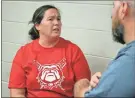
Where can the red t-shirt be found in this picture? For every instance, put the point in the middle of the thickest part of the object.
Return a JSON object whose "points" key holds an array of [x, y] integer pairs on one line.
{"points": [[48, 72]]}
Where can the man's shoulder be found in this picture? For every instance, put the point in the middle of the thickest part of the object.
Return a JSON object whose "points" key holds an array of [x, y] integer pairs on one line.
{"points": [[124, 58], [126, 52], [131, 51]]}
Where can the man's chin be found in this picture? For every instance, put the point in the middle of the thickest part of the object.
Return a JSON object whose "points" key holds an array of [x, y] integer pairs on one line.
{"points": [[118, 40], [118, 34]]}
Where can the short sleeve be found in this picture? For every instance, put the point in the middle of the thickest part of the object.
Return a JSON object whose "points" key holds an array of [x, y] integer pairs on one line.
{"points": [[80, 65], [17, 77]]}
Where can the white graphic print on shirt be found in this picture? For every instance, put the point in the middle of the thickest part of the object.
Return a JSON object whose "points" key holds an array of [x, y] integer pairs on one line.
{"points": [[50, 75]]}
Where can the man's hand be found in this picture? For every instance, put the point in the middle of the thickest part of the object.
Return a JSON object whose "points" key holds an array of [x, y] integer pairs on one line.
{"points": [[81, 87], [95, 79]]}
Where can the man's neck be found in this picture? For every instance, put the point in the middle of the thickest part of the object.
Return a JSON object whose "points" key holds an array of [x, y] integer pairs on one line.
{"points": [[129, 32]]}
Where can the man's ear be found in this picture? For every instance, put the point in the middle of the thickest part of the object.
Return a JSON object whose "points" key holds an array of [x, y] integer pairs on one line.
{"points": [[123, 11]]}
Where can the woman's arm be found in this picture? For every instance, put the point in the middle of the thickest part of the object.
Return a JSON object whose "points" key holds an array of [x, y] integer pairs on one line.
{"points": [[83, 85], [17, 92], [80, 87], [17, 77]]}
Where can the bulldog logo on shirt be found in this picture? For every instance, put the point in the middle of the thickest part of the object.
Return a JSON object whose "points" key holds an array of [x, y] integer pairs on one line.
{"points": [[50, 75]]}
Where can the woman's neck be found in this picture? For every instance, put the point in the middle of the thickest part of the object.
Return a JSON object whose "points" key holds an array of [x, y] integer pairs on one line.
{"points": [[47, 42]]}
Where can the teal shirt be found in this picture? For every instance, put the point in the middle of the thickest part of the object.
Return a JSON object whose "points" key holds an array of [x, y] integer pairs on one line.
{"points": [[119, 78]]}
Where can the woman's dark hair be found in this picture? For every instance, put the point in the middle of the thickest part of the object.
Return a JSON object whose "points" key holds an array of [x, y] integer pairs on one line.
{"points": [[37, 18]]}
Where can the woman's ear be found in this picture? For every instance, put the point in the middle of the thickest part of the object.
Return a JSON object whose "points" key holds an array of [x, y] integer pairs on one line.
{"points": [[37, 26]]}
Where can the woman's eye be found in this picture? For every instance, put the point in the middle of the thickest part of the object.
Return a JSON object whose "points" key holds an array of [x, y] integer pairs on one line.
{"points": [[58, 19], [50, 19]]}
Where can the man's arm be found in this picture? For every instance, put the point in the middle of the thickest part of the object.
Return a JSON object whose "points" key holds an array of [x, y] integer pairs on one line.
{"points": [[115, 80], [95, 79]]}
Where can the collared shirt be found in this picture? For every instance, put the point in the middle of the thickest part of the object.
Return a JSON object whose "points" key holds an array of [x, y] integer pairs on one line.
{"points": [[119, 78]]}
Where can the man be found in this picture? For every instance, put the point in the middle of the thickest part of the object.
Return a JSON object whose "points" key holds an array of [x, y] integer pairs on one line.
{"points": [[119, 78]]}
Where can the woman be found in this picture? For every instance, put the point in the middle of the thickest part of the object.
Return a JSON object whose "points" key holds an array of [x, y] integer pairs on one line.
{"points": [[49, 66]]}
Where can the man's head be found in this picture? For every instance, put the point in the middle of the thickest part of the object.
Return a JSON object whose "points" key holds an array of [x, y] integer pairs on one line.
{"points": [[122, 13]]}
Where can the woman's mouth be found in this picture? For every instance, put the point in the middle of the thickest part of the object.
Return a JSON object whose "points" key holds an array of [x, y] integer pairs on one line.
{"points": [[56, 29]]}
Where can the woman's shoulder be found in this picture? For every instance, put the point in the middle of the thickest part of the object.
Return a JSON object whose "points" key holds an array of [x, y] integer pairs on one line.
{"points": [[69, 43], [27, 46]]}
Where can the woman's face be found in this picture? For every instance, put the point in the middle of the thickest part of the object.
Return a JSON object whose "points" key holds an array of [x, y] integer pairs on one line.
{"points": [[50, 25]]}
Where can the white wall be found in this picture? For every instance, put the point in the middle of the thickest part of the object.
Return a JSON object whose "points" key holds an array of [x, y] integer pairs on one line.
{"points": [[86, 23]]}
